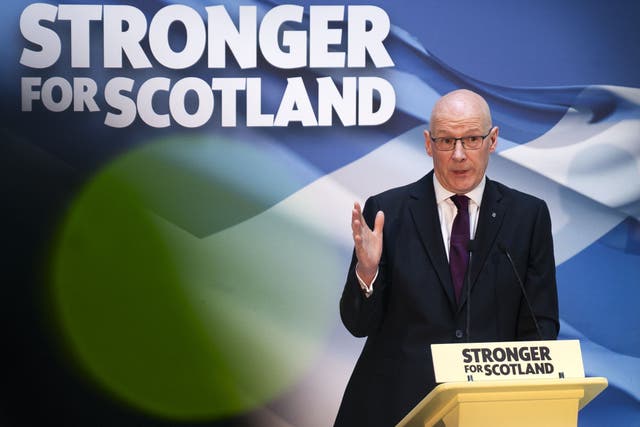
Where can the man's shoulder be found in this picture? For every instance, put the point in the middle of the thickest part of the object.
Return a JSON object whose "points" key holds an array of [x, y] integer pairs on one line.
{"points": [[415, 188], [515, 196]]}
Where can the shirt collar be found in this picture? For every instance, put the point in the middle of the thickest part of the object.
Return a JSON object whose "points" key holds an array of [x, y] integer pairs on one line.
{"points": [[443, 194]]}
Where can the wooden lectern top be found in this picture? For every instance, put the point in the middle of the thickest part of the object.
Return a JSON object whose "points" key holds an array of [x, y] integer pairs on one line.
{"points": [[552, 402]]}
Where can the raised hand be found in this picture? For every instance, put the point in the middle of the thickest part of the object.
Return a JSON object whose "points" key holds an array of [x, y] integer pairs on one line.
{"points": [[367, 242]]}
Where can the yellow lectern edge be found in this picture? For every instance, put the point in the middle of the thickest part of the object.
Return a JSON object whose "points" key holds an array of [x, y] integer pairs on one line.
{"points": [[440, 398]]}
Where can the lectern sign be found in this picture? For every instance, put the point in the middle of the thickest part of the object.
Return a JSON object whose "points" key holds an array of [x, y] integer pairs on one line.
{"points": [[507, 360]]}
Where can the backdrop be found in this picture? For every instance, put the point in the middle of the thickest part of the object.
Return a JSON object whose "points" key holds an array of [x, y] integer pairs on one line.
{"points": [[174, 252]]}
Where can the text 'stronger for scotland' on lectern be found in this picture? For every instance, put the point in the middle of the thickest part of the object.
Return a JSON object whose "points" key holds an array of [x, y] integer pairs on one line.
{"points": [[506, 384]]}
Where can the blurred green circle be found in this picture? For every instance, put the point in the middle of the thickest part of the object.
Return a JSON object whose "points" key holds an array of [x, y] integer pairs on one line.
{"points": [[182, 291]]}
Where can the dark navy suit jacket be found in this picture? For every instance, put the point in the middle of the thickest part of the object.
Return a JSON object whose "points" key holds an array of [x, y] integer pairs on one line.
{"points": [[413, 303]]}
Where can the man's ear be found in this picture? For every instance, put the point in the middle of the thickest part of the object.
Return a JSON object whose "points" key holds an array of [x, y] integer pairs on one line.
{"points": [[427, 143], [494, 139]]}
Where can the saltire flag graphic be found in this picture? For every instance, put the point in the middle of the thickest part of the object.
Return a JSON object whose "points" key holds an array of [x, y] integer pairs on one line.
{"points": [[193, 275]]}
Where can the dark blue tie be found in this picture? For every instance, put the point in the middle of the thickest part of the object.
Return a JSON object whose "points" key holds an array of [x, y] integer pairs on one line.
{"points": [[458, 253]]}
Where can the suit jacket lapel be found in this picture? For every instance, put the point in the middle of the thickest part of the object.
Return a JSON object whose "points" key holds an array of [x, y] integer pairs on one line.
{"points": [[424, 212], [492, 212]]}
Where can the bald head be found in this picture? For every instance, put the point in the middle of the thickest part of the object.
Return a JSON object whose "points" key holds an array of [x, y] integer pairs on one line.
{"points": [[458, 106]]}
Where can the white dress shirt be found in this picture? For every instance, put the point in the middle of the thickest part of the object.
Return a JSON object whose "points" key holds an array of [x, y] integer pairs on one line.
{"points": [[447, 210]]}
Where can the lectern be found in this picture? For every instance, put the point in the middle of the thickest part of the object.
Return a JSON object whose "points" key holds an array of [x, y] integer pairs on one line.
{"points": [[511, 403], [508, 384]]}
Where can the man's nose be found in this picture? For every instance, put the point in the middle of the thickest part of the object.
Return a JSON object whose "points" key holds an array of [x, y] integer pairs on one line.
{"points": [[458, 151]]}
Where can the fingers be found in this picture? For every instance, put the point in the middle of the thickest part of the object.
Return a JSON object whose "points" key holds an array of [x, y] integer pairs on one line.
{"points": [[367, 242], [358, 223], [356, 212], [379, 223], [357, 220]]}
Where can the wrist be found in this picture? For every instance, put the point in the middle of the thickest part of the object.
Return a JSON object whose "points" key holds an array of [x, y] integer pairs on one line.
{"points": [[367, 275]]}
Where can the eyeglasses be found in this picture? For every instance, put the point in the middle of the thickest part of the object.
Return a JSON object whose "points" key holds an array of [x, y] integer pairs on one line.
{"points": [[448, 143]]}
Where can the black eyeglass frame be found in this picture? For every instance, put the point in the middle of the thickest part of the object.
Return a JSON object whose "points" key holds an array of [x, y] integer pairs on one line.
{"points": [[452, 146]]}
